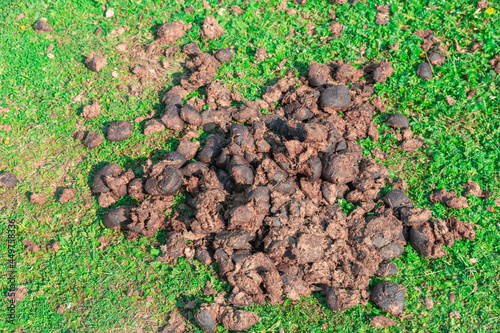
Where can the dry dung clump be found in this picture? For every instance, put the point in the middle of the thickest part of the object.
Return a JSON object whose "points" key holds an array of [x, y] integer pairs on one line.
{"points": [[8, 180], [211, 29], [262, 195], [95, 63]]}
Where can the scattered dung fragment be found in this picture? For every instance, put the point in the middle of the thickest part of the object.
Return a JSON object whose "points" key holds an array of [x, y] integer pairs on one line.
{"points": [[449, 199], [335, 98], [117, 217], [190, 115], [342, 299], [38, 199], [261, 53], [411, 145], [175, 324], [397, 200], [381, 322], [55, 246], [319, 74], [91, 111], [415, 216], [67, 195], [205, 321], [95, 63], [450, 100], [224, 55], [8, 180], [475, 190], [390, 297], [382, 18], [119, 131], [188, 148], [171, 119], [42, 26], [495, 63], [382, 72], [191, 49], [336, 29], [386, 269], [170, 32], [171, 51], [122, 47], [211, 29], [31, 246], [436, 59], [153, 126], [93, 140], [109, 13], [424, 71], [482, 4], [397, 120], [110, 182], [428, 303], [238, 320]]}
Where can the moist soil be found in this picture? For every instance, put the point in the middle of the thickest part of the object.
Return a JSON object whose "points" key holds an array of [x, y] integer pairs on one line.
{"points": [[262, 194]]}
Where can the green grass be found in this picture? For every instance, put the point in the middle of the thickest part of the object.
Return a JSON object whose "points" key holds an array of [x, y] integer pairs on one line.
{"points": [[462, 142]]}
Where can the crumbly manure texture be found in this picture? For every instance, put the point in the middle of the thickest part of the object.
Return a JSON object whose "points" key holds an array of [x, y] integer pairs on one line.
{"points": [[262, 193]]}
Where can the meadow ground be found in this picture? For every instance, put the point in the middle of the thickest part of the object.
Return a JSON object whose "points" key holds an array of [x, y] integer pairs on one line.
{"points": [[121, 288]]}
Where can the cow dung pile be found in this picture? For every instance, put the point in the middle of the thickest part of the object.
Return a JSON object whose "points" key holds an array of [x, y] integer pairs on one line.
{"points": [[261, 197]]}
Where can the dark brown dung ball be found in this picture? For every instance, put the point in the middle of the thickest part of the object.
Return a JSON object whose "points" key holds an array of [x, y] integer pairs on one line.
{"points": [[205, 321], [117, 217], [335, 97], [224, 55], [397, 120], [424, 71], [119, 131], [390, 297], [397, 199], [8, 180]]}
